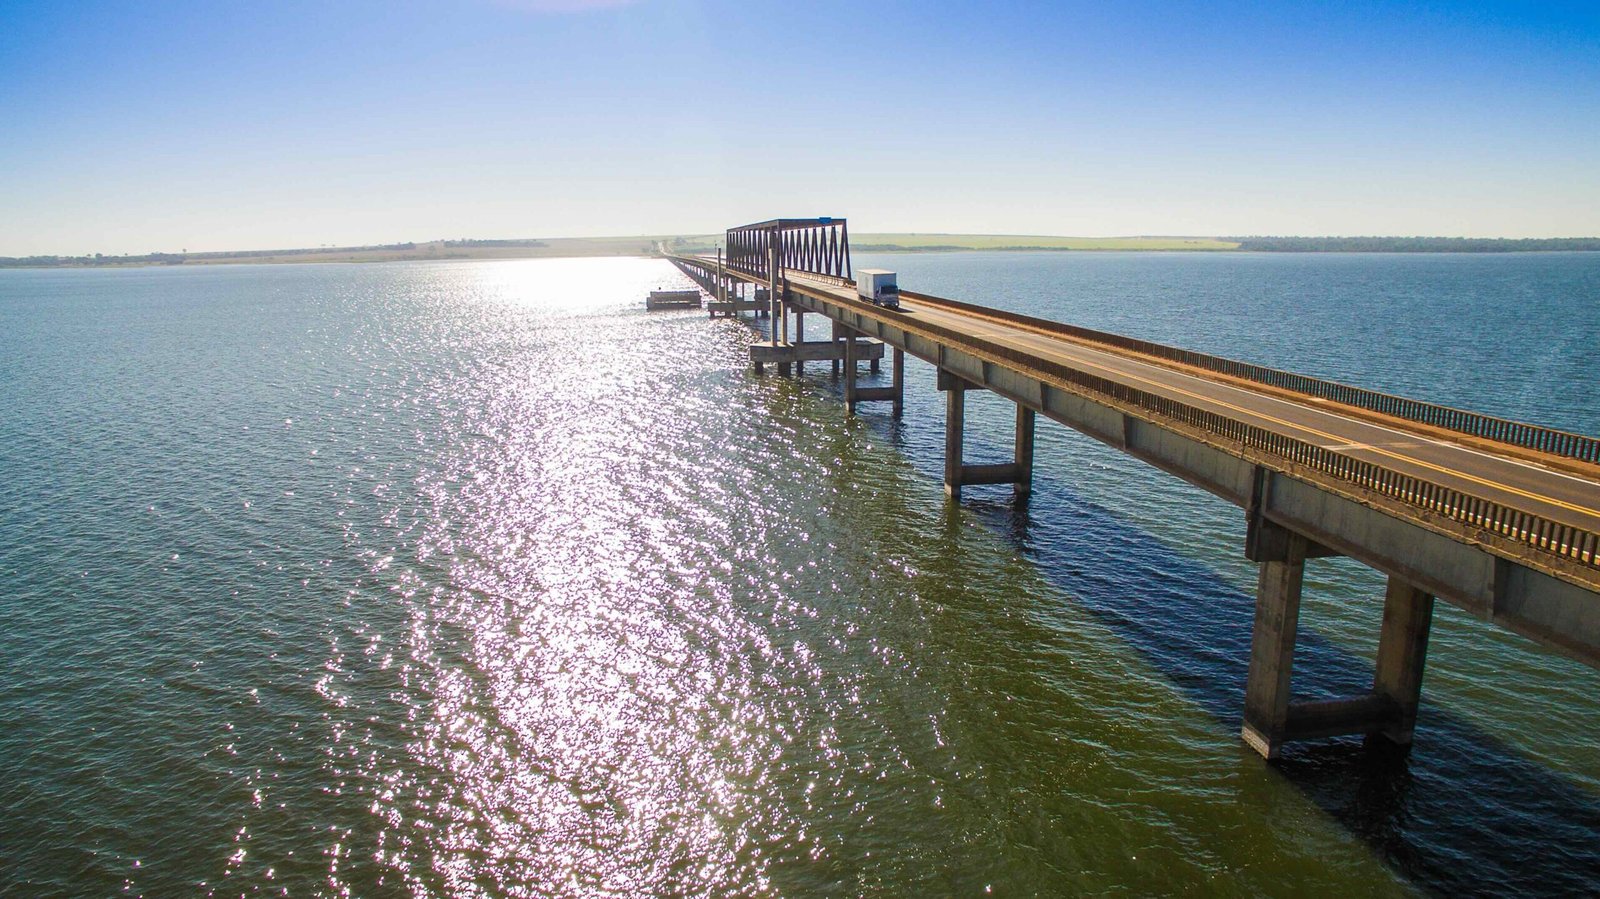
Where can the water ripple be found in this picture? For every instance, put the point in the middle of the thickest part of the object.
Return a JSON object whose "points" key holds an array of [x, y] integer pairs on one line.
{"points": [[475, 579]]}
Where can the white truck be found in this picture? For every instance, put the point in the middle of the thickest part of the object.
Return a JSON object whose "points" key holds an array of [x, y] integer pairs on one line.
{"points": [[876, 286]]}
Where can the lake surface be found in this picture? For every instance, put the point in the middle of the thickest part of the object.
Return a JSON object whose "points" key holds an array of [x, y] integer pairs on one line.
{"points": [[476, 579]]}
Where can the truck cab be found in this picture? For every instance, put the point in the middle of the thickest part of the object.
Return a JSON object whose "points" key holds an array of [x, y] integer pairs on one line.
{"points": [[877, 286]]}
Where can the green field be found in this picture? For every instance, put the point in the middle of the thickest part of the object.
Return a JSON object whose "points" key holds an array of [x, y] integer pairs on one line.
{"points": [[647, 245], [934, 242], [549, 247], [869, 242]]}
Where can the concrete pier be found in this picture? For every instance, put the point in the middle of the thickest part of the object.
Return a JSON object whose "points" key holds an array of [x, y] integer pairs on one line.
{"points": [[1271, 717], [1023, 452], [728, 308], [673, 299], [1018, 472], [1277, 620], [1402, 651], [894, 393], [955, 426], [799, 338], [769, 352], [850, 357], [730, 299], [900, 383]]}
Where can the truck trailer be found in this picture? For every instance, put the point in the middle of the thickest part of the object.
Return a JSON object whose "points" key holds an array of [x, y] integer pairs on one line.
{"points": [[877, 286]]}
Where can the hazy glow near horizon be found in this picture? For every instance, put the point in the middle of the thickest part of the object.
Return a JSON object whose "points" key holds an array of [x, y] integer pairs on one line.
{"points": [[130, 128]]}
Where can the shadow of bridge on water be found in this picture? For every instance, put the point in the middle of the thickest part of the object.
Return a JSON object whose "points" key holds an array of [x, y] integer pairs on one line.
{"points": [[1464, 813]]}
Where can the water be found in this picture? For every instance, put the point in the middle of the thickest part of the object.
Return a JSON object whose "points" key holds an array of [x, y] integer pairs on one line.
{"points": [[475, 579]]}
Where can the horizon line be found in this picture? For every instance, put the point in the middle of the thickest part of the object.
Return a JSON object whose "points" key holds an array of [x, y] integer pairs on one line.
{"points": [[859, 237]]}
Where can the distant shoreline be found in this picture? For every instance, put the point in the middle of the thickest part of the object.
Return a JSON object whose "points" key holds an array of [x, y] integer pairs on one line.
{"points": [[646, 246]]}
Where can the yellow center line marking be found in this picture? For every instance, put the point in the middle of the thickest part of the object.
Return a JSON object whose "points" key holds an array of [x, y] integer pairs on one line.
{"points": [[1338, 439]]}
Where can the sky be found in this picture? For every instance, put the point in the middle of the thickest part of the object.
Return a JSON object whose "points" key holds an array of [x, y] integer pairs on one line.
{"points": [[142, 127]]}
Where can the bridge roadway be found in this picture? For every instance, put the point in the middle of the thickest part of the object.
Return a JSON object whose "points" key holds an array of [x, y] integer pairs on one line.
{"points": [[1515, 482], [1547, 588]]}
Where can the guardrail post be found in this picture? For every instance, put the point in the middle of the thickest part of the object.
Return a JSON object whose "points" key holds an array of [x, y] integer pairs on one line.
{"points": [[1402, 650], [1266, 692]]}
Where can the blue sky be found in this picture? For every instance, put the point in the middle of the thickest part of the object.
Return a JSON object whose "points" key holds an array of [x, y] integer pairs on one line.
{"points": [[132, 128]]}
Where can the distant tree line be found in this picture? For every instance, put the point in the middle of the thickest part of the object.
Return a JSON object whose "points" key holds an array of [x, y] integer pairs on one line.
{"points": [[96, 259], [950, 247], [180, 258], [1414, 244], [495, 243]]}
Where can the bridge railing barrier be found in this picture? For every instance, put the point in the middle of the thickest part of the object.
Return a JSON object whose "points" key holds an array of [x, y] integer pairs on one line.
{"points": [[1564, 541], [1487, 427], [1545, 535]]}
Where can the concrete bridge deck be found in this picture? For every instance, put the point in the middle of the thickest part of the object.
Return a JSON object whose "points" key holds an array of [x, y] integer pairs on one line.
{"points": [[1499, 527], [1542, 489]]}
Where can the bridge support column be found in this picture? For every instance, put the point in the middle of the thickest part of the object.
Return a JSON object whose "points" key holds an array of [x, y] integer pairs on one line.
{"points": [[1402, 650], [1271, 719], [955, 412], [780, 314], [855, 394], [774, 295], [838, 334], [721, 293], [1018, 472], [1023, 452], [900, 382], [799, 337], [780, 335], [849, 374], [1266, 691]]}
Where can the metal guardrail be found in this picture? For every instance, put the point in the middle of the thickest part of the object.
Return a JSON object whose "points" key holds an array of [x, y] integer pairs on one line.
{"points": [[699, 274], [1564, 541], [1473, 424]]}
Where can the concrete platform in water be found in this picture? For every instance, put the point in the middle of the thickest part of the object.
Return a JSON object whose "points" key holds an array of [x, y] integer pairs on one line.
{"points": [[673, 299]]}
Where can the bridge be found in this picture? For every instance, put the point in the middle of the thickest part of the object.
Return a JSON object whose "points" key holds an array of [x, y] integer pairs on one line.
{"points": [[1498, 517]]}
